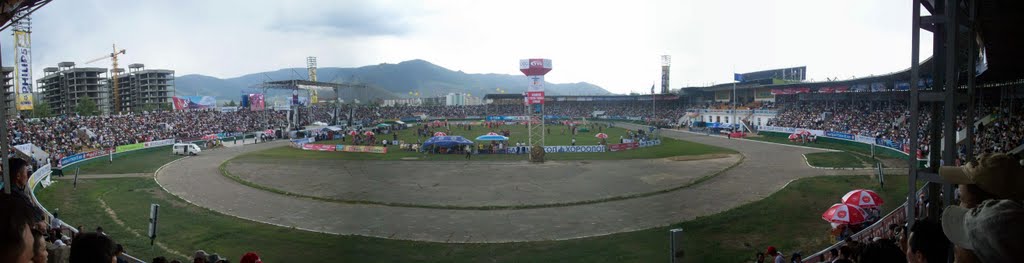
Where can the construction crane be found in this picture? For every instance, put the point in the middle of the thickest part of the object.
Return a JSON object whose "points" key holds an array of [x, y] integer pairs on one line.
{"points": [[113, 75]]}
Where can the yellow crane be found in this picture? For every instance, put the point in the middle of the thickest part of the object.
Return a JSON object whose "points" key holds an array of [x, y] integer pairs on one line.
{"points": [[113, 75]]}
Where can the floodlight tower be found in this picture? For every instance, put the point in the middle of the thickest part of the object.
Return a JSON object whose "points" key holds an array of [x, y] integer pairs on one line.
{"points": [[535, 69]]}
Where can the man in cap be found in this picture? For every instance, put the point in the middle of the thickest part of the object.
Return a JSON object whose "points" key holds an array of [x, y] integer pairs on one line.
{"points": [[992, 176], [991, 230]]}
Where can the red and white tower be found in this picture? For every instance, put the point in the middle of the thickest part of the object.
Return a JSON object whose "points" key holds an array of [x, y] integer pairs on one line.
{"points": [[535, 69]]}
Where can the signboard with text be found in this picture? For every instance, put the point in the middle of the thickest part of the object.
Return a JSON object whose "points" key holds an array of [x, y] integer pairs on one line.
{"points": [[534, 97]]}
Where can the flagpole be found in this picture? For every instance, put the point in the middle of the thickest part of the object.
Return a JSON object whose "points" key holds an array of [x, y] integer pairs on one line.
{"points": [[654, 110], [734, 99]]}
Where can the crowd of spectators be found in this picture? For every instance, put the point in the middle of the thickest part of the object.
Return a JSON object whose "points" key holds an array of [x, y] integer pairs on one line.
{"points": [[67, 135], [889, 120]]}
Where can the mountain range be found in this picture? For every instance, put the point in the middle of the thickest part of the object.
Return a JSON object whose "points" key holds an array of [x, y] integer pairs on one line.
{"points": [[384, 81]]}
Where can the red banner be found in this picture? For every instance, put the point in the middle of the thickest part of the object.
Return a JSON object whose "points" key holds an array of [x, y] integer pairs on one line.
{"points": [[318, 147], [534, 97], [180, 103], [623, 146], [98, 153]]}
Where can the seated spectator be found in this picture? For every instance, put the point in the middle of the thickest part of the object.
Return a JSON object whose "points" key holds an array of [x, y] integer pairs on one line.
{"points": [[881, 251], [250, 257], [200, 257], [992, 231], [845, 254], [991, 176], [775, 254], [926, 243], [40, 255], [92, 247], [16, 240], [159, 260]]}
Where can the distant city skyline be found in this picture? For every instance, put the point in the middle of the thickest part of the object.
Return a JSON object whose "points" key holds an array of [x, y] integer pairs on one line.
{"points": [[609, 44]]}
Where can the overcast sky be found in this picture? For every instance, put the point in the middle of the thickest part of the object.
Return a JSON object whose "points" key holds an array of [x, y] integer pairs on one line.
{"points": [[614, 44]]}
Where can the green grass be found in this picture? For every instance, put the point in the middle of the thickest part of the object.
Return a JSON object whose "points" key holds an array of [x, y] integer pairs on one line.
{"points": [[788, 219], [139, 161], [668, 148], [859, 150], [835, 160]]}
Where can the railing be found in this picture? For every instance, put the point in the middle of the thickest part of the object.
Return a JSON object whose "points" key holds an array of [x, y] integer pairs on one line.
{"points": [[880, 228], [43, 175]]}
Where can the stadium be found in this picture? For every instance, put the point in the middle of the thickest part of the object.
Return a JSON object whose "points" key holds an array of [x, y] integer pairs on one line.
{"points": [[852, 170]]}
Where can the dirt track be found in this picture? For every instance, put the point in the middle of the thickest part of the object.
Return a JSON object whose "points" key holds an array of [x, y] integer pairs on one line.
{"points": [[766, 169]]}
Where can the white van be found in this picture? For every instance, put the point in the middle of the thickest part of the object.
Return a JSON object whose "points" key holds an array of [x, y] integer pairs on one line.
{"points": [[185, 149]]}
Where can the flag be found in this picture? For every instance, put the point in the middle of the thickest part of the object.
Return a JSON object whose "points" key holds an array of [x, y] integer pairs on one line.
{"points": [[652, 88], [737, 77]]}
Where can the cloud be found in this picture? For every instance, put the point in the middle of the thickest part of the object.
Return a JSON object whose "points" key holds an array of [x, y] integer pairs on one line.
{"points": [[343, 19], [611, 44]]}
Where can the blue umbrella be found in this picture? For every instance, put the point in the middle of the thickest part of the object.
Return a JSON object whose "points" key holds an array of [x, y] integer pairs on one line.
{"points": [[447, 141], [491, 138]]}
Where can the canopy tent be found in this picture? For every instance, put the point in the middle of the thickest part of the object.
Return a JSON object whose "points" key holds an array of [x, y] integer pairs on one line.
{"points": [[383, 125], [447, 141], [489, 137], [332, 128], [440, 134]]}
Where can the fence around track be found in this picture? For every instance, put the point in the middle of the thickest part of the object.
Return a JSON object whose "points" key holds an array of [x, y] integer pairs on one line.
{"points": [[42, 177]]}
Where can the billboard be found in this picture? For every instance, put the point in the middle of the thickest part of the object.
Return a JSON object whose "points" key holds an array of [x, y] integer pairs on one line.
{"points": [[257, 102], [23, 70], [795, 73], [194, 102]]}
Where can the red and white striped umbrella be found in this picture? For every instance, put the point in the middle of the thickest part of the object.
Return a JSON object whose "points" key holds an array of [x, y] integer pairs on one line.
{"points": [[492, 133], [863, 198], [353, 133], [844, 214], [368, 133], [437, 134], [794, 136], [601, 135]]}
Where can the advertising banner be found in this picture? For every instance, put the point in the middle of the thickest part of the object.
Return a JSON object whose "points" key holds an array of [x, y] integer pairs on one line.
{"points": [[840, 135], [574, 149], [650, 143], [129, 147], [98, 153], [865, 139], [790, 130], [507, 118], [361, 149], [534, 97], [299, 142], [23, 70], [623, 146], [71, 159], [318, 147], [158, 143], [180, 103]]}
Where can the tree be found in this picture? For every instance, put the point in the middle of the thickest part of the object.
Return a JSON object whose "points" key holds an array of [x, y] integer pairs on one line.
{"points": [[86, 107], [41, 110], [230, 103]]}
